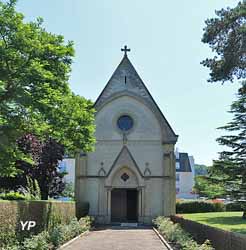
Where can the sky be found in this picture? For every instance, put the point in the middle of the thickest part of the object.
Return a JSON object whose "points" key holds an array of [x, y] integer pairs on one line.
{"points": [[166, 50]]}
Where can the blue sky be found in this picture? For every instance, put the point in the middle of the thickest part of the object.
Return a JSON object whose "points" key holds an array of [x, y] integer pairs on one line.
{"points": [[166, 50]]}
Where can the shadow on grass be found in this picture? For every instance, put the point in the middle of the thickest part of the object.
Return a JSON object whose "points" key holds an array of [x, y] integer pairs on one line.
{"points": [[239, 224]]}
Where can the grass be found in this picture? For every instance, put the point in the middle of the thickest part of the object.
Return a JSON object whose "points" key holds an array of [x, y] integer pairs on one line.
{"points": [[230, 221]]}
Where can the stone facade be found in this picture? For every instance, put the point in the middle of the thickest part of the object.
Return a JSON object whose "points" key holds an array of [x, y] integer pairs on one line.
{"points": [[140, 157]]}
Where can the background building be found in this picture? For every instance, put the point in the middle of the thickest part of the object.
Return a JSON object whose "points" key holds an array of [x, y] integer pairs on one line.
{"points": [[68, 165], [184, 175]]}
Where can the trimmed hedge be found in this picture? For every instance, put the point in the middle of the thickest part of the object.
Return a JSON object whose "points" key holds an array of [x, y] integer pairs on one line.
{"points": [[194, 206], [185, 207], [234, 206], [46, 214]]}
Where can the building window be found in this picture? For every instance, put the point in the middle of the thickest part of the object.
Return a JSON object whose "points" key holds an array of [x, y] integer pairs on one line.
{"points": [[177, 190], [125, 123], [177, 165], [177, 177]]}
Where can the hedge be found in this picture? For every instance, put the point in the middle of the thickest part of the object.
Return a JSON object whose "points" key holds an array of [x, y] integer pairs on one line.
{"points": [[234, 206], [54, 237], [184, 207], [194, 206], [46, 214]]}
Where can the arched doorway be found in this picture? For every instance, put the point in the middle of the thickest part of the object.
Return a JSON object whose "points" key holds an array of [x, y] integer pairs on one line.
{"points": [[124, 196], [124, 205]]}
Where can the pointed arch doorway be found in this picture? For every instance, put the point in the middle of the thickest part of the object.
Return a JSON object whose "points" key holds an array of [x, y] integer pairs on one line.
{"points": [[124, 205], [125, 194]]}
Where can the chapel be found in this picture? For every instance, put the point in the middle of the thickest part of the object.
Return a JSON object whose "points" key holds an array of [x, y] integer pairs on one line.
{"points": [[130, 177]]}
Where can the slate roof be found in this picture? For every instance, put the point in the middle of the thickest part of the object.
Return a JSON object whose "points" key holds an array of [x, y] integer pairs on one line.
{"points": [[125, 80], [184, 163]]}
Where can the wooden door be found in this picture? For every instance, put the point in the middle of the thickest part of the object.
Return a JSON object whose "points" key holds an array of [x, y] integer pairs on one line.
{"points": [[118, 205]]}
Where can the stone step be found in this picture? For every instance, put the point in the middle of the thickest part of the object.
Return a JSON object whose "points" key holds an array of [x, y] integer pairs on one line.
{"points": [[128, 224]]}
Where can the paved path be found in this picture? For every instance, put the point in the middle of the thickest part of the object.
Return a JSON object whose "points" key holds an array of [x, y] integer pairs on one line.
{"points": [[118, 239]]}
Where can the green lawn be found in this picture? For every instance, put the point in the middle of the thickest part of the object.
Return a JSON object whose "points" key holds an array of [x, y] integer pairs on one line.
{"points": [[231, 221]]}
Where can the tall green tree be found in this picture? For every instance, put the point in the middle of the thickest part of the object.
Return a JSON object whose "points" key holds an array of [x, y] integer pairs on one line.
{"points": [[201, 169], [205, 187], [34, 92], [230, 169], [226, 36]]}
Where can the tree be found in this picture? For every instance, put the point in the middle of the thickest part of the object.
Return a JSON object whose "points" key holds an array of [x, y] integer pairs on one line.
{"points": [[201, 169], [44, 169], [226, 36], [230, 169], [204, 187], [34, 93], [69, 191]]}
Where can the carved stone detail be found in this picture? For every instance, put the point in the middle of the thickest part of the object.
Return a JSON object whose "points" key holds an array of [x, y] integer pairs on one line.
{"points": [[102, 172], [147, 172], [125, 177]]}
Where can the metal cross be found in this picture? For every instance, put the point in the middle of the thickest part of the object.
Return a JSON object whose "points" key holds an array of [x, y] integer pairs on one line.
{"points": [[125, 49]]}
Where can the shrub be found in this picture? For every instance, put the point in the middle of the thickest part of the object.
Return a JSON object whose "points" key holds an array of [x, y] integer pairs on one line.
{"points": [[37, 242], [235, 206], [86, 222], [53, 238], [199, 207], [11, 247], [56, 236], [12, 196], [175, 234], [219, 206], [62, 233]]}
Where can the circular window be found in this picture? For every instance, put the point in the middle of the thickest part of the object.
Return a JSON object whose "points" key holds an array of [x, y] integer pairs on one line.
{"points": [[125, 123]]}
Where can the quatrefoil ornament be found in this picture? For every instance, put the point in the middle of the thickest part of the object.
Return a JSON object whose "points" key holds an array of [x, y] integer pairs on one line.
{"points": [[125, 177]]}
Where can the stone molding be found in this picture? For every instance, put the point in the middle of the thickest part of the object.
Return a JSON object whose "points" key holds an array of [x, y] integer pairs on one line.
{"points": [[144, 177], [129, 142]]}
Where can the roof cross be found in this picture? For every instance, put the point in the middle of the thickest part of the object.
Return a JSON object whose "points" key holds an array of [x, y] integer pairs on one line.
{"points": [[125, 49]]}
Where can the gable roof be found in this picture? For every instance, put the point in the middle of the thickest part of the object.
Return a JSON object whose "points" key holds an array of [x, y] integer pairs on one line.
{"points": [[125, 158], [184, 163], [125, 80]]}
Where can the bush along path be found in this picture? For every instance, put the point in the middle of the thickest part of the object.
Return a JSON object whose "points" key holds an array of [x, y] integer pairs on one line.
{"points": [[177, 237], [54, 237]]}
